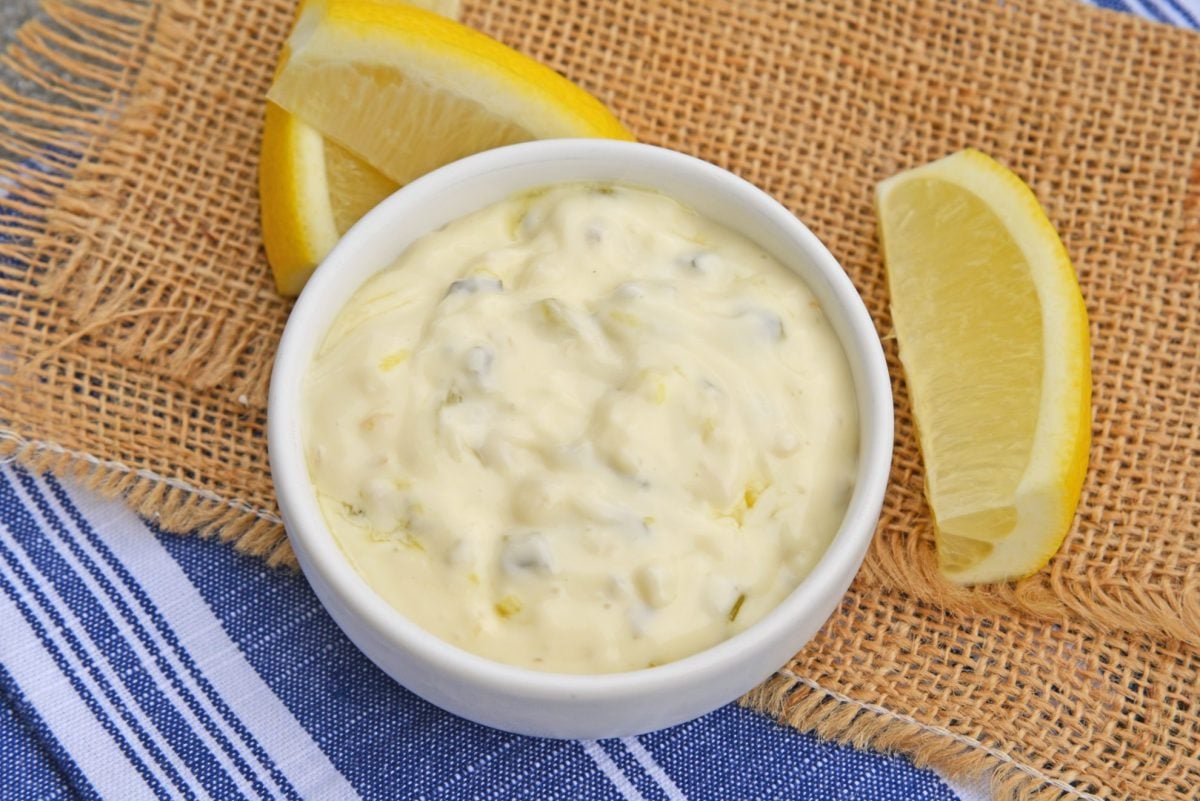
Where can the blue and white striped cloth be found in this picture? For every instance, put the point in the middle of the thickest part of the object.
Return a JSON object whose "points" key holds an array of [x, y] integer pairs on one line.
{"points": [[1182, 13], [135, 664]]}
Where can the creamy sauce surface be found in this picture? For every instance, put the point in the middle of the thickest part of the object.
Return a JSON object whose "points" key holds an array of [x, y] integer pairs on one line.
{"points": [[582, 430]]}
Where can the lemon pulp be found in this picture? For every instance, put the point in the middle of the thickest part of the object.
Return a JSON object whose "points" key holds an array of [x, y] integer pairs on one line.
{"points": [[993, 339]]}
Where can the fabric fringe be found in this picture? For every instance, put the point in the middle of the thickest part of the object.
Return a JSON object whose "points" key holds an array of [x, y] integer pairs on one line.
{"points": [[172, 505], [805, 705], [1173, 610], [86, 59], [45, 141]]}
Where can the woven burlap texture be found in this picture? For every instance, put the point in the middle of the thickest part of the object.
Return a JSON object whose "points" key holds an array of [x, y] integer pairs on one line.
{"points": [[138, 320]]}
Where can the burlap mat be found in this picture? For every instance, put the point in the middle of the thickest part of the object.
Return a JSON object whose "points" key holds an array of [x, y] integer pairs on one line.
{"points": [[138, 322]]}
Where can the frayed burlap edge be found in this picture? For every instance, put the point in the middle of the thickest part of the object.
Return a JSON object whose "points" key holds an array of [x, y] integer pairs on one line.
{"points": [[803, 704], [171, 504], [90, 61], [1052, 594], [87, 62]]}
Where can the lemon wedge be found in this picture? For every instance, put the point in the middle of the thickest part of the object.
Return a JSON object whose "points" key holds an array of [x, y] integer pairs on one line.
{"points": [[311, 191], [993, 338], [313, 187], [407, 90]]}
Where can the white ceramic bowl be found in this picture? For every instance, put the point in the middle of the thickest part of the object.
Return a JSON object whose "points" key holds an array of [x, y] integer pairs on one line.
{"points": [[550, 704]]}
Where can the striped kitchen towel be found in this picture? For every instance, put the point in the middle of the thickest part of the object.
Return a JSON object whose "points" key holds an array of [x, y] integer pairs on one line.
{"points": [[136, 664]]}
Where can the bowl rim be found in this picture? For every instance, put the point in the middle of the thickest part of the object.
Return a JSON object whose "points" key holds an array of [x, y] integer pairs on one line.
{"points": [[319, 552]]}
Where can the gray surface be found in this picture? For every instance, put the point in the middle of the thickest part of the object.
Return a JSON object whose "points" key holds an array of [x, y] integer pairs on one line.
{"points": [[12, 14]]}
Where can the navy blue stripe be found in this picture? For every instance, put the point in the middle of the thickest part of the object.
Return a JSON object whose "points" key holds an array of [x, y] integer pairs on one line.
{"points": [[127, 666], [149, 611], [1183, 12], [132, 617], [148, 643], [80, 689], [21, 523], [633, 770], [69, 780], [1112, 5], [1151, 11], [736, 753]]}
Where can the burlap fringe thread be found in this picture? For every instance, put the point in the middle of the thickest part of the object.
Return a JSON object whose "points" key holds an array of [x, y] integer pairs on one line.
{"points": [[171, 504], [81, 57], [1053, 594], [87, 59], [805, 705]]}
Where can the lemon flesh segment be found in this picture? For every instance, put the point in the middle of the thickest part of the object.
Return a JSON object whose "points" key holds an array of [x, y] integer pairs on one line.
{"points": [[407, 90], [355, 187], [993, 338]]}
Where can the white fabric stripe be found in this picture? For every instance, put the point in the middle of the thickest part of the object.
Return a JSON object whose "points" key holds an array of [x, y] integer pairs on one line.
{"points": [[167, 653], [70, 722], [147, 660], [647, 761], [265, 717], [611, 771], [82, 674]]}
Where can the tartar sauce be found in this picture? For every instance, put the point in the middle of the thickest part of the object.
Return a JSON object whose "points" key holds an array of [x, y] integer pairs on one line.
{"points": [[582, 430]]}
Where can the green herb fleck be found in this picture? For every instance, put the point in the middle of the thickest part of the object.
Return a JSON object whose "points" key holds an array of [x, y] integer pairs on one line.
{"points": [[737, 607]]}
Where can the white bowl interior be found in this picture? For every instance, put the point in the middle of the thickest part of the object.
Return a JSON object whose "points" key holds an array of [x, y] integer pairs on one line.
{"points": [[514, 698]]}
